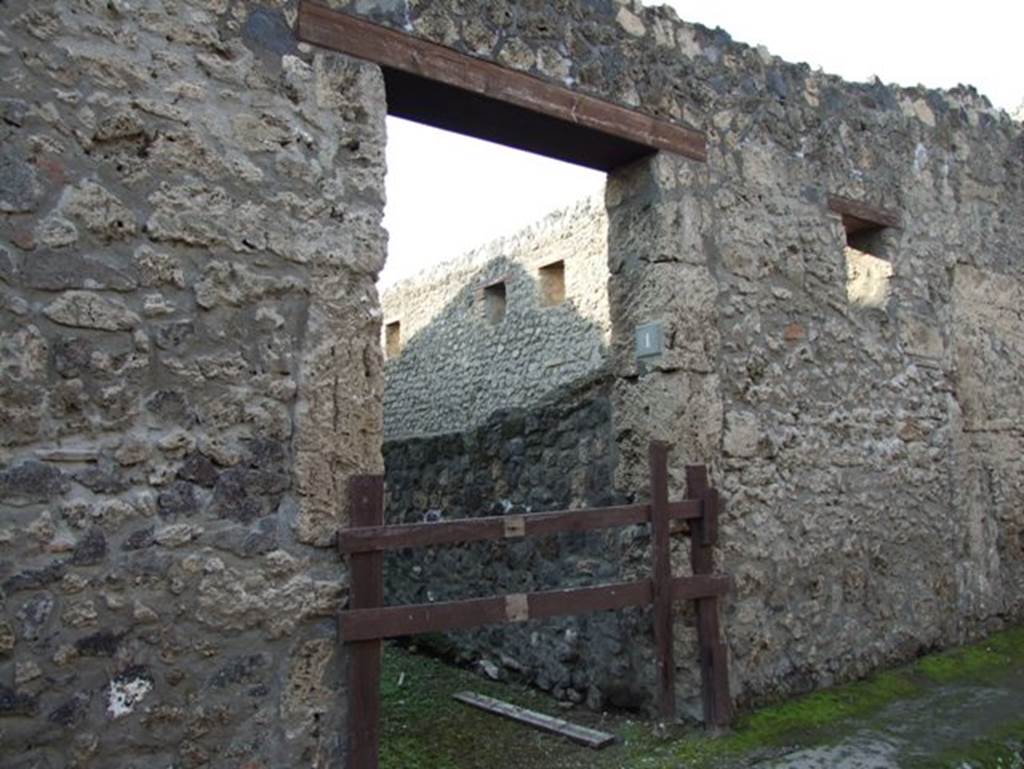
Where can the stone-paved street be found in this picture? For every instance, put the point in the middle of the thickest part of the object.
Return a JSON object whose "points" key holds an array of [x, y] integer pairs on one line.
{"points": [[921, 732]]}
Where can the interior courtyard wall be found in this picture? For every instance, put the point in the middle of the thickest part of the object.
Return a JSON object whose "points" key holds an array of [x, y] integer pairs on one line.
{"points": [[190, 209], [458, 363], [556, 454]]}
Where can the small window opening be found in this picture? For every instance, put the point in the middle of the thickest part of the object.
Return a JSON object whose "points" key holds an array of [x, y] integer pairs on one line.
{"points": [[868, 273], [495, 302], [552, 284], [393, 339]]}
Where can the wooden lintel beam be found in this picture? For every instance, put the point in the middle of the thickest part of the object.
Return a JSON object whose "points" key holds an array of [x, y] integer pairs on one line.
{"points": [[858, 216], [429, 63], [482, 288], [374, 538], [397, 621]]}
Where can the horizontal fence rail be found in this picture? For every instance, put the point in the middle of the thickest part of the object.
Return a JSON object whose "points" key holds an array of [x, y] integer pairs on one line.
{"points": [[398, 621], [370, 539]]}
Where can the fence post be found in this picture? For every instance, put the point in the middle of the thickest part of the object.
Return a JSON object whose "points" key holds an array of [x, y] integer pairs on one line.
{"points": [[366, 508], [661, 542], [713, 653]]}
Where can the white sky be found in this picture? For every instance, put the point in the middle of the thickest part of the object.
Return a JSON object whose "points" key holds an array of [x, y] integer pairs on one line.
{"points": [[447, 193]]}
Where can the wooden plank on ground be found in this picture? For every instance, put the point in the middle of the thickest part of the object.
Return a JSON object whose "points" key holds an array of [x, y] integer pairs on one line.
{"points": [[370, 538], [582, 735], [445, 80]]}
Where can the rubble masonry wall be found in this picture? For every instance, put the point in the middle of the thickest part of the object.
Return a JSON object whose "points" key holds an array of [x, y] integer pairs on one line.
{"points": [[190, 232], [458, 364], [191, 367], [869, 456]]}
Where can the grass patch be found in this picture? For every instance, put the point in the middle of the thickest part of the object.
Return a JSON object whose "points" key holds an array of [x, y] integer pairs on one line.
{"points": [[424, 728], [977, 661], [806, 720]]}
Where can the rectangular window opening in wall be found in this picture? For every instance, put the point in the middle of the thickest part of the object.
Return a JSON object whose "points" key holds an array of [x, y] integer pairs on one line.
{"points": [[552, 284], [393, 339], [495, 302], [868, 272], [869, 269]]}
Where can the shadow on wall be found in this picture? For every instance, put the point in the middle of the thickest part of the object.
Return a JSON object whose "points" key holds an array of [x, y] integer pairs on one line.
{"points": [[507, 337], [577, 437], [513, 348], [557, 454]]}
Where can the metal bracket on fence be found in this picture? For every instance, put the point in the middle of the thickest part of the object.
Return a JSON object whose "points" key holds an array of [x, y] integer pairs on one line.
{"points": [[517, 608], [515, 526]]}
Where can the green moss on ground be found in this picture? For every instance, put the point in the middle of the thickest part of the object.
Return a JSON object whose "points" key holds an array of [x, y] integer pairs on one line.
{"points": [[424, 727], [806, 719], [977, 661]]}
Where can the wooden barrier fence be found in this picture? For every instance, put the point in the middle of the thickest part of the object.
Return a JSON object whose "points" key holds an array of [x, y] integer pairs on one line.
{"points": [[367, 621]]}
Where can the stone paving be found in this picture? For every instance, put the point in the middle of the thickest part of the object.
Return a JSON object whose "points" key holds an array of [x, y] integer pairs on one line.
{"points": [[921, 732]]}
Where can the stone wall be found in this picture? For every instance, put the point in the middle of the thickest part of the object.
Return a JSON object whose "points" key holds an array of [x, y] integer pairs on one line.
{"points": [[865, 519], [835, 429], [190, 210], [191, 367], [458, 363], [556, 455]]}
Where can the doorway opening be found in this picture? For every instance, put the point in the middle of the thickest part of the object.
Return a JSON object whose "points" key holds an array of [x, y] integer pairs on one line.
{"points": [[497, 275], [498, 402]]}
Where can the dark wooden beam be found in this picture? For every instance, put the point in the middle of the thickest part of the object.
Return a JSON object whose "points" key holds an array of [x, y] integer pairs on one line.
{"points": [[366, 508], [397, 621], [662, 545], [714, 659], [369, 539], [859, 216], [432, 84]]}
